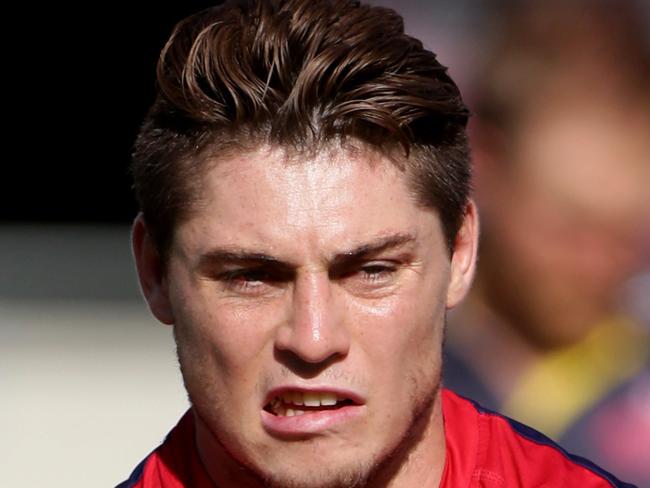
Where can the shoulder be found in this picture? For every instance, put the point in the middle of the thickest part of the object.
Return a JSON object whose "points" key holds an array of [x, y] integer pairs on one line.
{"points": [[144, 473], [497, 451], [136, 479], [173, 464]]}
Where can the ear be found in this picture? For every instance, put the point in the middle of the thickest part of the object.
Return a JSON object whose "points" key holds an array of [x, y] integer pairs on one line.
{"points": [[463, 261], [151, 273]]}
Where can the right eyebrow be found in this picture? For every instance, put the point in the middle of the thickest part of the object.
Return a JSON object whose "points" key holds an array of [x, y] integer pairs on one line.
{"points": [[228, 256], [218, 258]]}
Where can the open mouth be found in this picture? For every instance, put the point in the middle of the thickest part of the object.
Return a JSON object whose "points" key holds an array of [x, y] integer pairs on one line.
{"points": [[289, 404]]}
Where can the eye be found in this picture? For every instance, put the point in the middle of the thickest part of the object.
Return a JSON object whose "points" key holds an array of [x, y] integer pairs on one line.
{"points": [[377, 271], [245, 279], [372, 279]]}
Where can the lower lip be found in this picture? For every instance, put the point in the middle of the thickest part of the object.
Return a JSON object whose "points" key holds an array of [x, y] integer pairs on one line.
{"points": [[309, 423]]}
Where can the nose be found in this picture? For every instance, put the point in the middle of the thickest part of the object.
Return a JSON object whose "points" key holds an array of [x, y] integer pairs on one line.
{"points": [[314, 330]]}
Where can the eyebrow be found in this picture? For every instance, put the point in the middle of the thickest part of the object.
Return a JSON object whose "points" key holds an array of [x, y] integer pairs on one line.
{"points": [[237, 256], [375, 247], [347, 258], [223, 256]]}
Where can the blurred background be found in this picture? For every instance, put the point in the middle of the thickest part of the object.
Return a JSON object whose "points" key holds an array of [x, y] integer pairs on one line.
{"points": [[554, 334]]}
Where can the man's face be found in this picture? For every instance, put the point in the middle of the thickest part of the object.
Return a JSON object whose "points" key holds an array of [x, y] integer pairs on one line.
{"points": [[308, 299]]}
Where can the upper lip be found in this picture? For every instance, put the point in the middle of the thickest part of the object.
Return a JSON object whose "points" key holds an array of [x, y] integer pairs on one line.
{"points": [[345, 393]]}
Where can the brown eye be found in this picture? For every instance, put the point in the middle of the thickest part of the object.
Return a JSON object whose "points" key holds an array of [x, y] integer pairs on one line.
{"points": [[243, 279], [377, 271], [371, 279]]}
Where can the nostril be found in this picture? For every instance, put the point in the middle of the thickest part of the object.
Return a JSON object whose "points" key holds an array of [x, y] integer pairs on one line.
{"points": [[302, 366]]}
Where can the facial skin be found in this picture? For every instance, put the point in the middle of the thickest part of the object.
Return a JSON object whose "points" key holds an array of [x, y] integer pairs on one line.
{"points": [[320, 275]]}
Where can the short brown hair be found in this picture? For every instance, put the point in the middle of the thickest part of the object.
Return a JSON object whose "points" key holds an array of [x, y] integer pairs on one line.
{"points": [[298, 73]]}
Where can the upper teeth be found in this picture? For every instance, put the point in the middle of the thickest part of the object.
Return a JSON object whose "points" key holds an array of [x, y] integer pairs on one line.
{"points": [[309, 399]]}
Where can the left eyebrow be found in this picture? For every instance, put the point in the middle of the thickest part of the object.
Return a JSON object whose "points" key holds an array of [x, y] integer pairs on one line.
{"points": [[363, 252]]}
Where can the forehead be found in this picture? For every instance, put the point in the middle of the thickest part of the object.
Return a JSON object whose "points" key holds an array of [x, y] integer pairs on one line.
{"points": [[336, 197]]}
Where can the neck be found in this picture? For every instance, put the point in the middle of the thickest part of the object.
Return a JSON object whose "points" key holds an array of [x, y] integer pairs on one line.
{"points": [[220, 465], [420, 459]]}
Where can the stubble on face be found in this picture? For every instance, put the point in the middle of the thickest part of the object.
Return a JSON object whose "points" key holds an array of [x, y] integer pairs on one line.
{"points": [[374, 472]]}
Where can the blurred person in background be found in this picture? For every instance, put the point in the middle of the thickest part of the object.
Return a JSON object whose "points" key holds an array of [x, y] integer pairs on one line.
{"points": [[562, 154]]}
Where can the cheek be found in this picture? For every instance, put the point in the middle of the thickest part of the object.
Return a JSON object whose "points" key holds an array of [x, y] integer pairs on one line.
{"points": [[403, 330], [401, 341], [222, 340]]}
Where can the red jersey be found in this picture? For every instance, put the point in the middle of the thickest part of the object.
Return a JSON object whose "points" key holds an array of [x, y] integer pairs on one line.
{"points": [[484, 450]]}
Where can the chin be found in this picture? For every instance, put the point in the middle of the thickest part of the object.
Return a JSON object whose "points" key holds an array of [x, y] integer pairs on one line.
{"points": [[324, 475], [319, 462], [311, 466]]}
